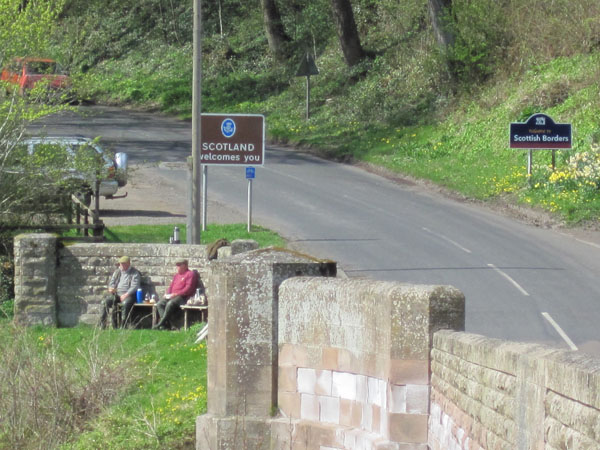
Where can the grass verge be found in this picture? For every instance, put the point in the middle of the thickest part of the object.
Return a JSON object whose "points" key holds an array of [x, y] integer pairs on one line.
{"points": [[161, 234], [115, 389]]}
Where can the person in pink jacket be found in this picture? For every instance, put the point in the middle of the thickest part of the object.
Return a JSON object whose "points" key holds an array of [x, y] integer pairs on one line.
{"points": [[182, 287]]}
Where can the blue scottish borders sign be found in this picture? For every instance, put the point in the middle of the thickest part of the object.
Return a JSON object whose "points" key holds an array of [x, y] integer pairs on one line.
{"points": [[540, 132]]}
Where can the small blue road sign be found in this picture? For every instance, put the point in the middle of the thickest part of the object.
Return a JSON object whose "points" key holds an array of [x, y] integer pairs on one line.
{"points": [[250, 173]]}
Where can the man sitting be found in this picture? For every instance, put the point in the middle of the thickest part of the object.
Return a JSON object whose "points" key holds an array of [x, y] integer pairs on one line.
{"points": [[122, 288], [181, 288]]}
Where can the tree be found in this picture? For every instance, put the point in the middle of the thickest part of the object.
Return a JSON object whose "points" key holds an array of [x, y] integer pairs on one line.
{"points": [[25, 182], [347, 32], [25, 26], [439, 12], [276, 35]]}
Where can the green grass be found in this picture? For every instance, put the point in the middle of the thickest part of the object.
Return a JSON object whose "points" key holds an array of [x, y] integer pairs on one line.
{"points": [[165, 387], [155, 407], [159, 407], [161, 234], [7, 309]]}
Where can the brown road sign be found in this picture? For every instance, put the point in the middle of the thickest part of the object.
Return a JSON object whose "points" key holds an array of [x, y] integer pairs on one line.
{"points": [[233, 139]]}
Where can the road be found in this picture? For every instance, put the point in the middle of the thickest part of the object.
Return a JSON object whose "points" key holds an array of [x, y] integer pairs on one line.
{"points": [[521, 282]]}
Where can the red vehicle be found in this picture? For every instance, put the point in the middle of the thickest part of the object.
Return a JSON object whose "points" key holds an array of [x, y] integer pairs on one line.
{"points": [[26, 72]]}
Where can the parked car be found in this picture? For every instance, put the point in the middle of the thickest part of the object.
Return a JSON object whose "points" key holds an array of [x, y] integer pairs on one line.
{"points": [[25, 73], [114, 174]]}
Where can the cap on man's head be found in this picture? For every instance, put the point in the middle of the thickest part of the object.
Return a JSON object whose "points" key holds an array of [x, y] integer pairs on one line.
{"points": [[181, 261], [124, 260]]}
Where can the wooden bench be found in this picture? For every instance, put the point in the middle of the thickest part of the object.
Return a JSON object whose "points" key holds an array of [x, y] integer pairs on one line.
{"points": [[203, 310]]}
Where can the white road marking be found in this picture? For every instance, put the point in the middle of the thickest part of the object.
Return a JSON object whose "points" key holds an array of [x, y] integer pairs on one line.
{"points": [[592, 244], [559, 330], [514, 283], [587, 242], [441, 236]]}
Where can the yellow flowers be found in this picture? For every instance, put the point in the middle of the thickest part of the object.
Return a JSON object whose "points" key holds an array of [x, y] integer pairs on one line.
{"points": [[198, 347], [583, 169]]}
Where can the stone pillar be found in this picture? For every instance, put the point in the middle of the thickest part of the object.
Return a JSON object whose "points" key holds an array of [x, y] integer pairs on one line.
{"points": [[242, 345], [417, 312], [35, 279]]}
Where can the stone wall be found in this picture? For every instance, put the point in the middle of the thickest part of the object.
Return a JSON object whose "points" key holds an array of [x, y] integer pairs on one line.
{"points": [[242, 345], [35, 279], [354, 362], [492, 394], [64, 285]]}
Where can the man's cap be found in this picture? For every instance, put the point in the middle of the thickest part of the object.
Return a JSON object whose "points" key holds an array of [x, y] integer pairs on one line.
{"points": [[124, 259], [181, 261]]}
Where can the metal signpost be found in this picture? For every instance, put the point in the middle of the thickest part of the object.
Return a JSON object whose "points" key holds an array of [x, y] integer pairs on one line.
{"points": [[540, 132], [232, 140], [250, 175], [307, 68]]}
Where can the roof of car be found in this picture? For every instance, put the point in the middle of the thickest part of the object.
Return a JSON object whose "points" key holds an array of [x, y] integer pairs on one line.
{"points": [[65, 139]]}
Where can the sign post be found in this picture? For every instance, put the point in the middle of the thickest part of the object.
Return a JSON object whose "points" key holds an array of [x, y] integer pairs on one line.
{"points": [[540, 132], [232, 140], [250, 174], [307, 68], [204, 195]]}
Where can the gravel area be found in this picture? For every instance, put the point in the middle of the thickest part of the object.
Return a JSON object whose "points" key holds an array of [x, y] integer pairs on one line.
{"points": [[159, 195]]}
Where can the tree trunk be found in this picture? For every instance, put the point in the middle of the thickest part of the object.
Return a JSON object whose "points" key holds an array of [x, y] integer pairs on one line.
{"points": [[439, 12], [276, 35], [347, 32]]}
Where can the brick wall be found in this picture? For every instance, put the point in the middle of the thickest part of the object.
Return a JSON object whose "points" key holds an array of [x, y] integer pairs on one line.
{"points": [[492, 394]]}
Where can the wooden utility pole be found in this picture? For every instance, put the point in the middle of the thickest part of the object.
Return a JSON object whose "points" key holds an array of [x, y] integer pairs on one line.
{"points": [[193, 233]]}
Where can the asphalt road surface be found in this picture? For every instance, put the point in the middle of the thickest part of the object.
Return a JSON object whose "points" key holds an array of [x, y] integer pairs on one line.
{"points": [[521, 282]]}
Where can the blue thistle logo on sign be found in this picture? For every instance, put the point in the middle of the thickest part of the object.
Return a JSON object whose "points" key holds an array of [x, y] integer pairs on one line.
{"points": [[228, 128]]}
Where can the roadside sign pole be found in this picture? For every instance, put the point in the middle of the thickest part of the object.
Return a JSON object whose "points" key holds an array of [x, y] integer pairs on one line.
{"points": [[307, 68], [250, 174], [249, 204], [307, 97], [232, 140], [204, 196]]}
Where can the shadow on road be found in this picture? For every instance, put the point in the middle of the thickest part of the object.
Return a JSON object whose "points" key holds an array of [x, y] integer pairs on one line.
{"points": [[136, 213]]}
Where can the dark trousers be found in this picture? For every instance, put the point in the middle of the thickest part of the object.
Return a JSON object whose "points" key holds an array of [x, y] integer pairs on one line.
{"points": [[166, 308], [111, 301]]}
